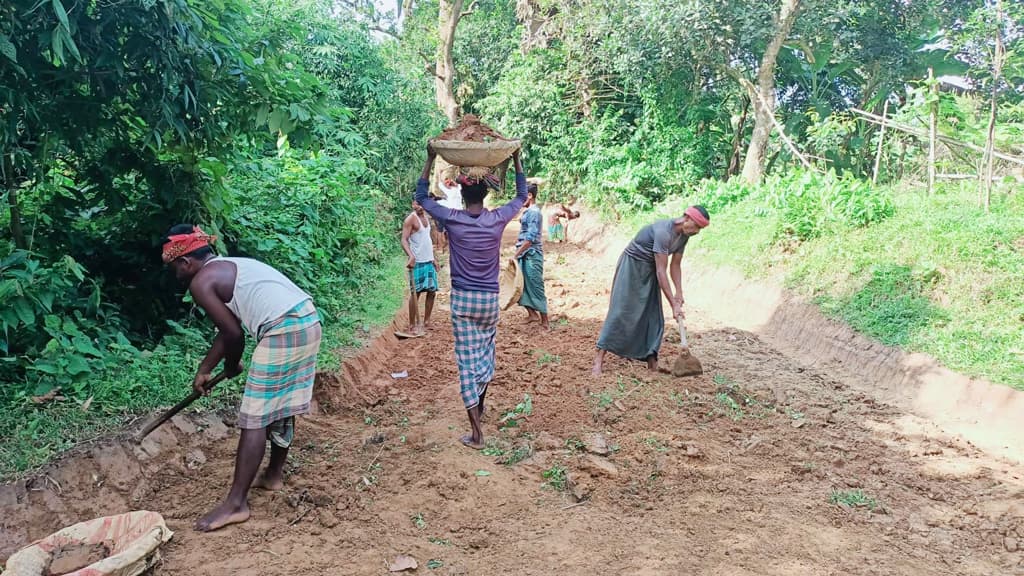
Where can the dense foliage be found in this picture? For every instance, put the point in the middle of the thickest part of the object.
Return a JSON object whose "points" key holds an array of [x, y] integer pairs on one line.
{"points": [[288, 132]]}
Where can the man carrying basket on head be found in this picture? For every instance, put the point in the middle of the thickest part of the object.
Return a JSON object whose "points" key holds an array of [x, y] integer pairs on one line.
{"points": [[474, 240]]}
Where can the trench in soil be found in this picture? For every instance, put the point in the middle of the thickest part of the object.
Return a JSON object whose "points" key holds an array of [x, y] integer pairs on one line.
{"points": [[785, 457]]}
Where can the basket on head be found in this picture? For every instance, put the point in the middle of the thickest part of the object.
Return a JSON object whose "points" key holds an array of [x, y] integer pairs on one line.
{"points": [[487, 154]]}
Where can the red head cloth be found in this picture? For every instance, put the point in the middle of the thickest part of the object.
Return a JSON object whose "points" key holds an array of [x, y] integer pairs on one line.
{"points": [[182, 244], [697, 217]]}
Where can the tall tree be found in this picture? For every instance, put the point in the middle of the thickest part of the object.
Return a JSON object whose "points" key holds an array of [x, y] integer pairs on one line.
{"points": [[763, 92]]}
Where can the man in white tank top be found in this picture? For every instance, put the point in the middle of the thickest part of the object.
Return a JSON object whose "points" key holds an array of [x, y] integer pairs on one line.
{"points": [[422, 268], [237, 293]]}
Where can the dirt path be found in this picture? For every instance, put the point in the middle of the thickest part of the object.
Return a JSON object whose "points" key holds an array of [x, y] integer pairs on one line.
{"points": [[702, 476]]}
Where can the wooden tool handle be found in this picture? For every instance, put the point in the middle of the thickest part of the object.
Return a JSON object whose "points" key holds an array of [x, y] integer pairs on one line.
{"points": [[179, 407], [682, 334]]}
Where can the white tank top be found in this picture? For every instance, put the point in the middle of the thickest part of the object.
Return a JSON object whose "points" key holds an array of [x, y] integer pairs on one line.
{"points": [[420, 243], [261, 293], [452, 196]]}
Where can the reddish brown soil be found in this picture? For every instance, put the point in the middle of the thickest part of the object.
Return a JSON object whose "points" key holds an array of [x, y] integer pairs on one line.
{"points": [[72, 557], [470, 129], [728, 473]]}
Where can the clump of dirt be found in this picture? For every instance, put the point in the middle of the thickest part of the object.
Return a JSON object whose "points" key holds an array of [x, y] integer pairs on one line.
{"points": [[471, 129], [73, 557]]}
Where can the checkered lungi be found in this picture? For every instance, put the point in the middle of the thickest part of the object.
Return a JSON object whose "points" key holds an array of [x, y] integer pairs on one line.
{"points": [[281, 374], [475, 324], [423, 277]]}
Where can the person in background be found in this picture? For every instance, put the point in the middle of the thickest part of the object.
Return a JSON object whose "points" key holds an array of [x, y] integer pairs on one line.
{"points": [[635, 322], [452, 198], [237, 293], [557, 230], [474, 237], [530, 257], [419, 248]]}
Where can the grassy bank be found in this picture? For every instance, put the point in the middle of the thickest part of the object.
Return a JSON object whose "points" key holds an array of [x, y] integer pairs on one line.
{"points": [[932, 274], [33, 434]]}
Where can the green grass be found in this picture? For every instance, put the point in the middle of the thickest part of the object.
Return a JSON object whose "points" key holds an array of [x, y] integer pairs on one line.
{"points": [[939, 276], [555, 478], [32, 435], [852, 499]]}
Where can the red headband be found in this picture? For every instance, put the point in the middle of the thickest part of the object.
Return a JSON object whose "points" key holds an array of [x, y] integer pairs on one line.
{"points": [[182, 244], [698, 218]]}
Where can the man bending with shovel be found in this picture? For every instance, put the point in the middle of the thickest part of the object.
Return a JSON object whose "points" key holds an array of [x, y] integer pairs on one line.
{"points": [[237, 292], [635, 322]]}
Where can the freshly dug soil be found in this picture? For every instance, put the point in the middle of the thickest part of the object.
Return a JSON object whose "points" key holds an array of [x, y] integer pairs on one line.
{"points": [[470, 129], [71, 557], [686, 365]]}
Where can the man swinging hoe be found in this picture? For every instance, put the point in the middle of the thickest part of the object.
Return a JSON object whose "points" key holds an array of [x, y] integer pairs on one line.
{"points": [[635, 322], [237, 293]]}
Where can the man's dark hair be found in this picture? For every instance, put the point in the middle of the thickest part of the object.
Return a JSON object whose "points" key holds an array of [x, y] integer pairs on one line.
{"points": [[187, 229], [703, 212], [532, 190], [474, 193]]}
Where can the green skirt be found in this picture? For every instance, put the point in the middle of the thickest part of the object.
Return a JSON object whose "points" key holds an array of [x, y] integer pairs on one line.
{"points": [[635, 323], [532, 265]]}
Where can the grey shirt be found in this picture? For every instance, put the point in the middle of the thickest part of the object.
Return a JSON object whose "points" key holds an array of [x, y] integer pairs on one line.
{"points": [[656, 238]]}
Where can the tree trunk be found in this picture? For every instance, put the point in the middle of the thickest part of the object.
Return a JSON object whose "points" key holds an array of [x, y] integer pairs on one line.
{"points": [[17, 232], [737, 141], [448, 14], [753, 167], [997, 70]]}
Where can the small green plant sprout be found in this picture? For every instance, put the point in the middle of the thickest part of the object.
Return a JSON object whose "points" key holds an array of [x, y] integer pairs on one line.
{"points": [[517, 455], [603, 400], [439, 541], [434, 564], [852, 499], [418, 521], [655, 444], [574, 444], [555, 478], [544, 358], [493, 448], [510, 419]]}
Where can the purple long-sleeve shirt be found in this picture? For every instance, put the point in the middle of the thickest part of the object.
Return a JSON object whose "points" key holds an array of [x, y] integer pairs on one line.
{"points": [[474, 241]]}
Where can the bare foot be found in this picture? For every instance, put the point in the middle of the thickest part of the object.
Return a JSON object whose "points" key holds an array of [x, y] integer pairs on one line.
{"points": [[222, 516], [468, 441], [264, 482]]}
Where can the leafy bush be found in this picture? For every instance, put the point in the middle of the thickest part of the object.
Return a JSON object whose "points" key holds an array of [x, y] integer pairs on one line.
{"points": [[813, 204]]}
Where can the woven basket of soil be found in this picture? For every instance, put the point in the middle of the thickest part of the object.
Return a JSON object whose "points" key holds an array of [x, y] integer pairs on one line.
{"points": [[510, 285], [122, 545], [475, 153], [473, 143]]}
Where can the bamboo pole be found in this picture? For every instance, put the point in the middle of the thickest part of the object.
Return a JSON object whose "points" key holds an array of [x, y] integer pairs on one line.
{"points": [[997, 69], [920, 133], [881, 141], [933, 125]]}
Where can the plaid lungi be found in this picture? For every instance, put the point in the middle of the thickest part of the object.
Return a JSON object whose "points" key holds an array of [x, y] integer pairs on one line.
{"points": [[556, 232], [423, 277], [475, 324], [281, 373]]}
